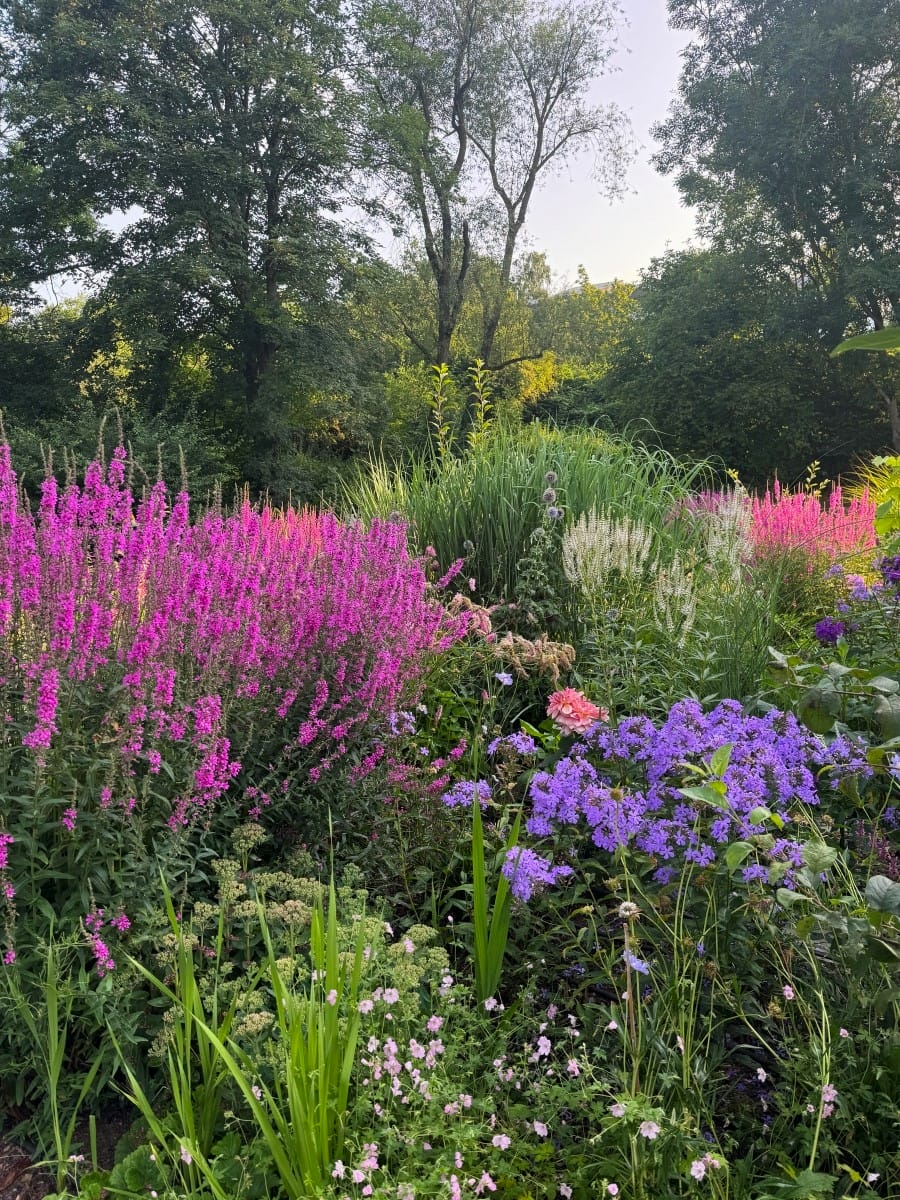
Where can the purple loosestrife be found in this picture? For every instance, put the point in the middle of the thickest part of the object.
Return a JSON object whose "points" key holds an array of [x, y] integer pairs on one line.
{"points": [[125, 625]]}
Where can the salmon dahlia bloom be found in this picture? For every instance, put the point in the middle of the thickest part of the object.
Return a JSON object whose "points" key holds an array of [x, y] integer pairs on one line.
{"points": [[573, 712]]}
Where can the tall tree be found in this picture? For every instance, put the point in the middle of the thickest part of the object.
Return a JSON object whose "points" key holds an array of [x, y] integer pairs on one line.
{"points": [[534, 113], [722, 359], [471, 102], [224, 127], [786, 132]]}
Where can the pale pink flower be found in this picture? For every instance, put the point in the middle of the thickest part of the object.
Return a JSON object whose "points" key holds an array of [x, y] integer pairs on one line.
{"points": [[649, 1129]]}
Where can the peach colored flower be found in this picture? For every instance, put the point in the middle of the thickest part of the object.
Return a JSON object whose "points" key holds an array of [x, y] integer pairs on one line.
{"points": [[573, 712]]}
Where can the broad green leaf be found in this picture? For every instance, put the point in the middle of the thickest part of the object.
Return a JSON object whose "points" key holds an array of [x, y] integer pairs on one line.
{"points": [[882, 951], [707, 794], [884, 683], [883, 895], [761, 814], [818, 857], [720, 759], [819, 707], [887, 712], [885, 340], [737, 853]]}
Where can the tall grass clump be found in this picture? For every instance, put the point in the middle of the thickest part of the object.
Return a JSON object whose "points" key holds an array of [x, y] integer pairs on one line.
{"points": [[486, 504]]}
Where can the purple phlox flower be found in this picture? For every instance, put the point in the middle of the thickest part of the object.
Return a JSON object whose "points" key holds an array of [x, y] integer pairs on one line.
{"points": [[528, 872], [463, 793], [521, 743], [774, 762], [890, 570], [828, 630]]}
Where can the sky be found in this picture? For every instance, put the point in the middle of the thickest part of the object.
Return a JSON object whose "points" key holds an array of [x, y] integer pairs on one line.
{"points": [[569, 219]]}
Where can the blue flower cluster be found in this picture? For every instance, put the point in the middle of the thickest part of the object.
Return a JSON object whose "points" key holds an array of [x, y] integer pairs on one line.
{"points": [[527, 872], [462, 794], [520, 743], [828, 630], [624, 783]]}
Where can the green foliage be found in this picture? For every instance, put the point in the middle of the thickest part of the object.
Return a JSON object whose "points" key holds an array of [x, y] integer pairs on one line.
{"points": [[299, 1115], [725, 358], [49, 1026], [761, 140], [886, 340], [199, 119], [491, 497], [490, 929]]}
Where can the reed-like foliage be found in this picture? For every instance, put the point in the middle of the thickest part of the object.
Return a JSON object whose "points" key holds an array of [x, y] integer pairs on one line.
{"points": [[485, 504]]}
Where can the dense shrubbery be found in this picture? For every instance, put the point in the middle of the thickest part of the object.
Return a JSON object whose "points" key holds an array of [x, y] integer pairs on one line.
{"points": [[658, 955]]}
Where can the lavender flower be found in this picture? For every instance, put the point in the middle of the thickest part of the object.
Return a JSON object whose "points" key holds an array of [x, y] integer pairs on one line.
{"points": [[462, 794]]}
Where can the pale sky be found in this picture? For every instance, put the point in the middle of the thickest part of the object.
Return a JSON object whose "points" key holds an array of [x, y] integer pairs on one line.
{"points": [[569, 220]]}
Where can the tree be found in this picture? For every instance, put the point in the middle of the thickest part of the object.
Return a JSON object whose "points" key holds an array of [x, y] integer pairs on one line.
{"points": [[786, 133], [470, 103], [66, 233], [720, 359], [225, 127], [534, 114]]}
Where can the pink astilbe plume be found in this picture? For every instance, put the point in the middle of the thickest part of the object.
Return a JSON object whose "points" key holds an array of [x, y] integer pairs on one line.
{"points": [[799, 521]]}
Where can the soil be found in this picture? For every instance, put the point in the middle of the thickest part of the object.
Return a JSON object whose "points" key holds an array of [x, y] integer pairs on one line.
{"points": [[21, 1179]]}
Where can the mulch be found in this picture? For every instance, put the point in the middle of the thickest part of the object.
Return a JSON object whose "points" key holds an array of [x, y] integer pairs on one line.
{"points": [[19, 1179]]}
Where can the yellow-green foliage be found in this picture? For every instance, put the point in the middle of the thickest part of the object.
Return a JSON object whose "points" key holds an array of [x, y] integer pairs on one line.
{"points": [[881, 479]]}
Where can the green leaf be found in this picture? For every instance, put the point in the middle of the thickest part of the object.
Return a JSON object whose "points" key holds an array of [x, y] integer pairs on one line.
{"points": [[884, 683], [883, 895], [707, 794], [761, 814], [805, 926], [883, 951], [819, 707], [818, 857], [885, 340], [887, 712], [737, 853], [719, 762]]}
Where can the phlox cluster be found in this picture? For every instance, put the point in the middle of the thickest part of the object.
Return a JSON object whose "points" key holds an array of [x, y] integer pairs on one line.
{"points": [[624, 783]]}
